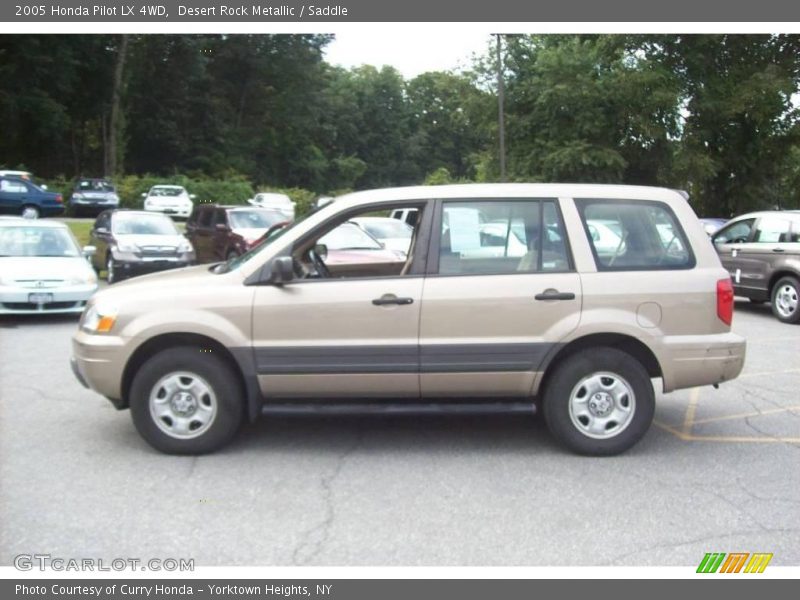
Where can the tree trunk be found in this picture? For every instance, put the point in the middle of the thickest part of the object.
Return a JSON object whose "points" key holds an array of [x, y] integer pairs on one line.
{"points": [[112, 165]]}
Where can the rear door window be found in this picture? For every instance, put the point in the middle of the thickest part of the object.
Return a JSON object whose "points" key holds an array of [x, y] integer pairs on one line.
{"points": [[501, 237], [772, 230], [634, 235]]}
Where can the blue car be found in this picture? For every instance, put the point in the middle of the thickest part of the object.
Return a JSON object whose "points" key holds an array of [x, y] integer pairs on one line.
{"points": [[21, 197]]}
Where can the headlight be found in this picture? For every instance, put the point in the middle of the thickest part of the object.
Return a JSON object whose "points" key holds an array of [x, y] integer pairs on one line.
{"points": [[99, 318], [114, 198], [6, 280], [127, 247], [77, 196], [185, 246], [90, 279]]}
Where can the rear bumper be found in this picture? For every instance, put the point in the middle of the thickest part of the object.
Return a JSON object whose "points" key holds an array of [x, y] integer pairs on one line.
{"points": [[692, 361]]}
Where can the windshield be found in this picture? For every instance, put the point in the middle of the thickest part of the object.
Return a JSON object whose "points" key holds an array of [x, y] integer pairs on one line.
{"points": [[167, 191], [349, 236], [141, 224], [254, 219], [35, 240], [390, 228], [92, 185]]}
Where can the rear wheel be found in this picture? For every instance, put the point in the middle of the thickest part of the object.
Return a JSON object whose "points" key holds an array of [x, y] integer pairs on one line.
{"points": [[599, 402], [30, 211], [186, 401], [785, 304]]}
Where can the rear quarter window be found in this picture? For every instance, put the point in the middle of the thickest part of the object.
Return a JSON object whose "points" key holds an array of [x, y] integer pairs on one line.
{"points": [[636, 235]]}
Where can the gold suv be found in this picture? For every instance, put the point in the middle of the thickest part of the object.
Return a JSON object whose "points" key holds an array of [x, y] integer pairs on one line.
{"points": [[511, 297]]}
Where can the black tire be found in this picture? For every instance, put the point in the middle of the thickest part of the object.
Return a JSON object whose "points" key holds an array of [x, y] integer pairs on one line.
{"points": [[785, 292], [213, 371], [111, 271], [583, 366]]}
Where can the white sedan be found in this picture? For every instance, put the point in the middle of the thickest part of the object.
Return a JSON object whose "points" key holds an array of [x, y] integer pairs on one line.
{"points": [[392, 233], [170, 200], [42, 268]]}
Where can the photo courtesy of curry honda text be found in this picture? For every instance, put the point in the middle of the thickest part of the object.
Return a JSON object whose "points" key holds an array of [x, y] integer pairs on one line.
{"points": [[509, 298]]}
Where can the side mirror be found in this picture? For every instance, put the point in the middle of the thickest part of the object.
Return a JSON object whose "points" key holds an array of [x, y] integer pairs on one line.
{"points": [[252, 201], [281, 270], [321, 250], [101, 231], [89, 251], [144, 194]]}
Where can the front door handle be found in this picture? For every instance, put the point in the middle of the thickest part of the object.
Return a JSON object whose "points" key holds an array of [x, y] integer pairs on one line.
{"points": [[555, 295], [780, 250], [391, 299]]}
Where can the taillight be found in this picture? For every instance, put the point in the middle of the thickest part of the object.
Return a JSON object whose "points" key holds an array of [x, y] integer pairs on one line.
{"points": [[59, 199], [725, 300]]}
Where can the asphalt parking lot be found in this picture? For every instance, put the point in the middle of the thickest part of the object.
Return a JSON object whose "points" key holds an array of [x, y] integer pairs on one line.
{"points": [[717, 473]]}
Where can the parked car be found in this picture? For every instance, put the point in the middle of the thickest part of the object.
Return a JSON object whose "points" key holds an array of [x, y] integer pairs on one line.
{"points": [[170, 200], [21, 197], [574, 333], [132, 242], [225, 232], [761, 251], [712, 224], [407, 215], [92, 196], [42, 268], [275, 201], [391, 233], [348, 244]]}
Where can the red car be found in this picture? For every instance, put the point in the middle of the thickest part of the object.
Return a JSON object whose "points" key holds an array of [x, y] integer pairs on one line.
{"points": [[224, 232]]}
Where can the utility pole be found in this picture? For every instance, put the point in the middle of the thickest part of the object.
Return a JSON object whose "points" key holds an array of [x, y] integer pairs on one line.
{"points": [[500, 115]]}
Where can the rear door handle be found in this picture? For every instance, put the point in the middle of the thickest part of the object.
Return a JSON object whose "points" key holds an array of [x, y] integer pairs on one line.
{"points": [[780, 250], [389, 299], [555, 295]]}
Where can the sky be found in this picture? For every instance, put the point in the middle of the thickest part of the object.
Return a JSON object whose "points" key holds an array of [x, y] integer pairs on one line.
{"points": [[409, 53]]}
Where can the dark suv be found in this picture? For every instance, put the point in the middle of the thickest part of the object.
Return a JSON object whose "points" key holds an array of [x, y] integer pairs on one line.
{"points": [[224, 232], [134, 242], [762, 253]]}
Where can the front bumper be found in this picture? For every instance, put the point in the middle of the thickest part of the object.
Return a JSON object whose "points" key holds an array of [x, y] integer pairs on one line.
{"points": [[16, 300], [143, 267], [692, 361], [98, 361]]}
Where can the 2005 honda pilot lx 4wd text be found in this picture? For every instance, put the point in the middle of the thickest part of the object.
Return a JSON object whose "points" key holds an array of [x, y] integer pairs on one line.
{"points": [[567, 298]]}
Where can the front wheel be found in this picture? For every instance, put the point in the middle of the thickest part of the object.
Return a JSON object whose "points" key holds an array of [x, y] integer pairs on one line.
{"points": [[599, 402], [185, 400], [111, 274], [785, 304]]}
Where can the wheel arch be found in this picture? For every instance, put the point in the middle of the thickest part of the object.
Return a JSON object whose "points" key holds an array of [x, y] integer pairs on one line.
{"points": [[239, 359], [777, 276], [623, 342]]}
